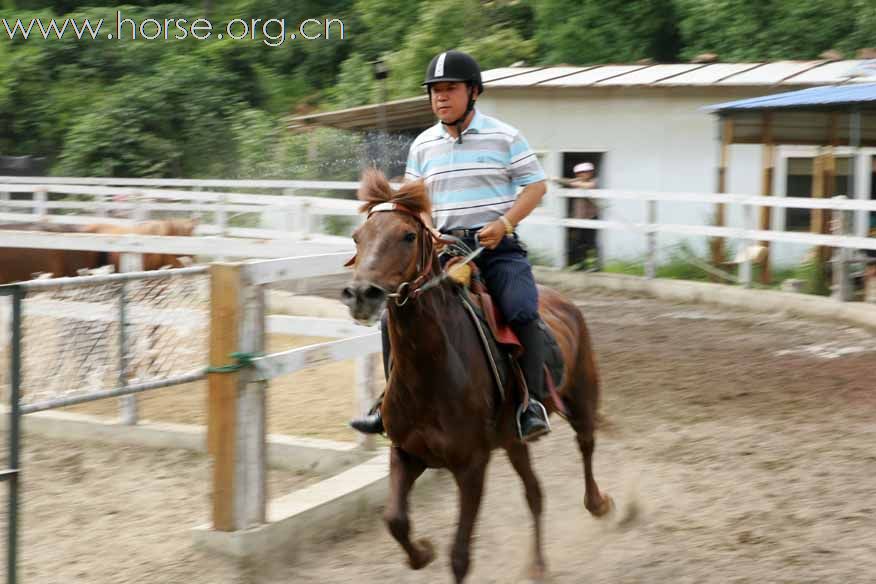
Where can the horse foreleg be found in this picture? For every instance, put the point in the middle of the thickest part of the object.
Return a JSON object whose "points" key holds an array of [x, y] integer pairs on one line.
{"points": [[518, 454], [404, 470], [471, 488]]}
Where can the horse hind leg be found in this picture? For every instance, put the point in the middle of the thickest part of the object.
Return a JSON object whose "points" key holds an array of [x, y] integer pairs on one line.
{"points": [[583, 404], [404, 470], [518, 455]]}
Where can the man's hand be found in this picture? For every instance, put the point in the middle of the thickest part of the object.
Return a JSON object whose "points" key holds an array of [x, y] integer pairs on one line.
{"points": [[491, 234], [437, 236]]}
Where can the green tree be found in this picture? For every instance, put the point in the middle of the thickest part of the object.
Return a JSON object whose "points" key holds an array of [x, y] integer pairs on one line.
{"points": [[454, 24], [753, 30], [606, 31]]}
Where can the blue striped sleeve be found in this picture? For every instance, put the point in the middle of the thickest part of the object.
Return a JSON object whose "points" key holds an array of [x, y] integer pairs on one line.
{"points": [[413, 170], [525, 167]]}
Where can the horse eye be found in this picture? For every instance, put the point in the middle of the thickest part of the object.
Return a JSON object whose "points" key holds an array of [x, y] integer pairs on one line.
{"points": [[411, 236]]}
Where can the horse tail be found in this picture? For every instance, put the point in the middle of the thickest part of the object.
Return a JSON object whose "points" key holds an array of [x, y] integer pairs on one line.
{"points": [[592, 382]]}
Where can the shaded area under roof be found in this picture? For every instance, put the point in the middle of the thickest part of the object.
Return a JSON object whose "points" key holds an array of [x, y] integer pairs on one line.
{"points": [[831, 97], [837, 115]]}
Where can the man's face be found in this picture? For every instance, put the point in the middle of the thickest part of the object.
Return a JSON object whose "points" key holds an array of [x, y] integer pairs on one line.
{"points": [[450, 100], [588, 175]]}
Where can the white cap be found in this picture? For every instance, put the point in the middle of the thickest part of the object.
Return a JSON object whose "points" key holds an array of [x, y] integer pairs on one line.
{"points": [[583, 167]]}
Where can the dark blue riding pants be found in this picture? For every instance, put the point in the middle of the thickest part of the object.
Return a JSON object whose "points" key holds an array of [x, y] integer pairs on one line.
{"points": [[508, 277]]}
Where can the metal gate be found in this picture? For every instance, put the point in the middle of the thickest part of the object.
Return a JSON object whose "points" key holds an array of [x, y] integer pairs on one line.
{"points": [[130, 332], [10, 474]]}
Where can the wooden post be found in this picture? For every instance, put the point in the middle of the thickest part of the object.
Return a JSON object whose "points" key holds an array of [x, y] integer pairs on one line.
{"points": [[139, 212], [748, 226], [842, 284], [766, 190], [717, 243], [365, 394], [39, 203], [236, 429], [817, 224], [129, 407]]}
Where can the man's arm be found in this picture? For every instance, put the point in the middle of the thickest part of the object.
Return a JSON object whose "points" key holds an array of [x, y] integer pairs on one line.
{"points": [[527, 200], [493, 233]]}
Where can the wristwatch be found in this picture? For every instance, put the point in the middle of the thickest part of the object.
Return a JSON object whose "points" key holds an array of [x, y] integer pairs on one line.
{"points": [[509, 227]]}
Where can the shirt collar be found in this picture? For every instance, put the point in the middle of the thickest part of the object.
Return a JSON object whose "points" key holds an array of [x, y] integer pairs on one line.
{"points": [[476, 125]]}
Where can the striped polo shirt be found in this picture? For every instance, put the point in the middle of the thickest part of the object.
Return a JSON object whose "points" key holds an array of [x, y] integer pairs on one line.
{"points": [[473, 183]]}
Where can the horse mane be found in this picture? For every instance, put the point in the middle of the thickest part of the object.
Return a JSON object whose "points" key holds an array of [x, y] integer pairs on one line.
{"points": [[375, 189]]}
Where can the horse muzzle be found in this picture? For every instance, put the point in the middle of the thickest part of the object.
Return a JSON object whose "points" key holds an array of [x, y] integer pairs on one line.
{"points": [[365, 301]]}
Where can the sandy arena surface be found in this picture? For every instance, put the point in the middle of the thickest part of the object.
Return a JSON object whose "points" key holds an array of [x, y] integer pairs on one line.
{"points": [[100, 514], [739, 449]]}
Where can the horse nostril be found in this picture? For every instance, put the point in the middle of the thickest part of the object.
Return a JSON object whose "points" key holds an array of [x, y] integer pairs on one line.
{"points": [[373, 293], [347, 293]]}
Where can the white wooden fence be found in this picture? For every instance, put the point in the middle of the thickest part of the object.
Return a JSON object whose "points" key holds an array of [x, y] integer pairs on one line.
{"points": [[302, 214], [237, 419]]}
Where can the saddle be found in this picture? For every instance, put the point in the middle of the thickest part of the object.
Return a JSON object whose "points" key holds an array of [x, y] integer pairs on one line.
{"points": [[500, 343]]}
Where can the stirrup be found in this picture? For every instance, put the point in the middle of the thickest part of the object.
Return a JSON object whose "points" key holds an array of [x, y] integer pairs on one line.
{"points": [[538, 434]]}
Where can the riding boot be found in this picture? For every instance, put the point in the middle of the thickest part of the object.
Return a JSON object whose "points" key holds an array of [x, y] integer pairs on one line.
{"points": [[372, 422], [532, 421]]}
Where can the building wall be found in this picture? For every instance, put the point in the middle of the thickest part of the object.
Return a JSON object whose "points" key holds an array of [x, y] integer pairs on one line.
{"points": [[652, 139]]}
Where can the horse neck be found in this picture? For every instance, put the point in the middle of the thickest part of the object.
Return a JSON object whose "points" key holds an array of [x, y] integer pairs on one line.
{"points": [[419, 332]]}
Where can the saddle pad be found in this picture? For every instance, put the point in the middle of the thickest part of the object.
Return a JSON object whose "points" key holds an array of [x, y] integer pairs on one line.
{"points": [[501, 349]]}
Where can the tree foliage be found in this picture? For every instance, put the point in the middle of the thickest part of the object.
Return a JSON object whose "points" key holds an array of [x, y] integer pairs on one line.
{"points": [[217, 108]]}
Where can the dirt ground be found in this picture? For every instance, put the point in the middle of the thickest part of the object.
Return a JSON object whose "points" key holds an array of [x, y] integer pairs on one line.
{"points": [[315, 402], [115, 514], [740, 448]]}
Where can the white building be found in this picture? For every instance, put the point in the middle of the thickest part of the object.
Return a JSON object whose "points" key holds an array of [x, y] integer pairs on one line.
{"points": [[645, 128]]}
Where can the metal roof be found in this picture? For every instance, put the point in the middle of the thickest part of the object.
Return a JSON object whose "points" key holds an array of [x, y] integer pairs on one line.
{"points": [[792, 73], [415, 112], [834, 96]]}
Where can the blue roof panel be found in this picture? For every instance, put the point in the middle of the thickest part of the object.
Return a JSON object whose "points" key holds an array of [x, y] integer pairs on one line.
{"points": [[832, 95]]}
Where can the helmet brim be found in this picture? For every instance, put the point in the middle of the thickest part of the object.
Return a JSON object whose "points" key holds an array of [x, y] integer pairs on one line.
{"points": [[450, 79]]}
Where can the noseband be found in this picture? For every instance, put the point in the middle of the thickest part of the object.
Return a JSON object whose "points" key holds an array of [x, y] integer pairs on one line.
{"points": [[413, 289]]}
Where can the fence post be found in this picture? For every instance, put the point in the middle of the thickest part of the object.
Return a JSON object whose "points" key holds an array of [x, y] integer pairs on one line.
{"points": [[365, 395], [129, 407], [4, 196], [140, 212], [842, 285], [651, 236], [306, 220], [14, 438], [236, 427], [748, 226], [39, 203], [222, 216]]}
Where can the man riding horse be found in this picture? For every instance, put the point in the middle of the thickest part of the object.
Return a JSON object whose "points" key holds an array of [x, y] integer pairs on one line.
{"points": [[473, 166]]}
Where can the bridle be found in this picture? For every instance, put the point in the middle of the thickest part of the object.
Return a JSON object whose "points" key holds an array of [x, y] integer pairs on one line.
{"points": [[412, 289]]}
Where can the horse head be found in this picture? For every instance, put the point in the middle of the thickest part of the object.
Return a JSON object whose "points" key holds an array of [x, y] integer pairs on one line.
{"points": [[395, 251]]}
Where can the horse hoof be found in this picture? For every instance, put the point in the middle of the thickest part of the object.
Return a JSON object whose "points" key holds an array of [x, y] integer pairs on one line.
{"points": [[425, 554], [602, 509], [537, 574]]}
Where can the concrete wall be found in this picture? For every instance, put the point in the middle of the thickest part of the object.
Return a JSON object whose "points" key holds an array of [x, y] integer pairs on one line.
{"points": [[652, 139]]}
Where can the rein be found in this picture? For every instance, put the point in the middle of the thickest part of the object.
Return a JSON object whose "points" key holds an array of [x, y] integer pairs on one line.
{"points": [[415, 288]]}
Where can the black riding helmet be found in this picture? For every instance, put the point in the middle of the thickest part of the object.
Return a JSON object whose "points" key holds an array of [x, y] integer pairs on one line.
{"points": [[460, 67]]}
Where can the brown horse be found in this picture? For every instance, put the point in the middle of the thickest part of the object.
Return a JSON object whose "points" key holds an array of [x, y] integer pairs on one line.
{"points": [[19, 264], [165, 227], [441, 407]]}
